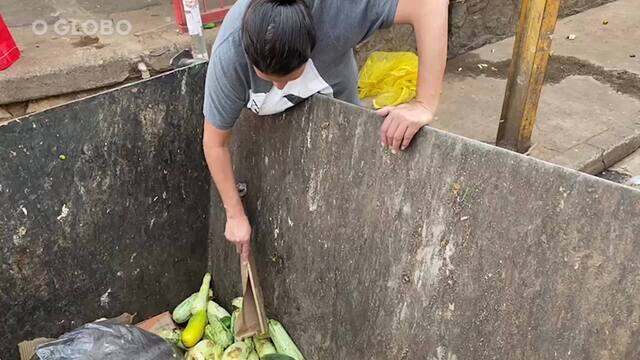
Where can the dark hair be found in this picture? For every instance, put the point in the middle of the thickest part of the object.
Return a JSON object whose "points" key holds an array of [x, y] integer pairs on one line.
{"points": [[278, 35]]}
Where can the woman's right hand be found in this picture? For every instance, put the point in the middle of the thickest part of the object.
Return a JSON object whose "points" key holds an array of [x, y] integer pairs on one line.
{"points": [[238, 231]]}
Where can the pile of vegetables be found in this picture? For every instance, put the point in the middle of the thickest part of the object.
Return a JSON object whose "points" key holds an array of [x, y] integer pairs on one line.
{"points": [[208, 334]]}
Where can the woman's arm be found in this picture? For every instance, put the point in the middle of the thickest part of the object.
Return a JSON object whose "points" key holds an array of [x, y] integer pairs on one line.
{"points": [[429, 19], [216, 151]]}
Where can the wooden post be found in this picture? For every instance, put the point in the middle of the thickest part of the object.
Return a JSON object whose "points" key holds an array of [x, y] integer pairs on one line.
{"points": [[526, 73]]}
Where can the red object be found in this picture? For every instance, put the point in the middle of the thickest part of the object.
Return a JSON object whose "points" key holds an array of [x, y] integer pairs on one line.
{"points": [[9, 52], [209, 14]]}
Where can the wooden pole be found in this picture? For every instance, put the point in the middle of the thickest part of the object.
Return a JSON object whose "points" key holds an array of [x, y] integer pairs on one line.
{"points": [[526, 73]]}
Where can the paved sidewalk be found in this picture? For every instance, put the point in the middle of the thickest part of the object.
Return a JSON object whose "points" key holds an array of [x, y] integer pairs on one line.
{"points": [[626, 169], [54, 64], [589, 114]]}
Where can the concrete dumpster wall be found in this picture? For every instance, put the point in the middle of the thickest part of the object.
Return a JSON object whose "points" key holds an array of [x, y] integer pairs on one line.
{"points": [[103, 208], [453, 250]]}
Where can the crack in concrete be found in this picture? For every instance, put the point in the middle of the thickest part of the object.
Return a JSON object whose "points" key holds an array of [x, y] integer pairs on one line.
{"points": [[559, 68]]}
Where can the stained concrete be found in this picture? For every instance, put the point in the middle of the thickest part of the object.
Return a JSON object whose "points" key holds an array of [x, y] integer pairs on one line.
{"points": [[472, 24], [103, 208], [589, 111], [631, 164], [609, 45], [18, 13], [452, 250], [4, 115], [581, 121], [68, 69], [54, 64], [110, 7], [24, 12], [627, 168], [612, 46]]}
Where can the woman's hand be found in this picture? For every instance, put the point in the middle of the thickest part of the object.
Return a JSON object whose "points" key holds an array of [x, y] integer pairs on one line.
{"points": [[238, 231], [401, 123]]}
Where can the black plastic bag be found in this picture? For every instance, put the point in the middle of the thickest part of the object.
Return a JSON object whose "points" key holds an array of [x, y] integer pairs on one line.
{"points": [[107, 341]]}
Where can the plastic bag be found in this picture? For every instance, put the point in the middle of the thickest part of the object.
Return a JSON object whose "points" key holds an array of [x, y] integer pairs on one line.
{"points": [[107, 341], [389, 76]]}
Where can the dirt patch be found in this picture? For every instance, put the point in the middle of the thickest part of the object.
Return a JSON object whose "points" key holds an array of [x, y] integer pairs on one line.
{"points": [[86, 40], [560, 68], [622, 81]]}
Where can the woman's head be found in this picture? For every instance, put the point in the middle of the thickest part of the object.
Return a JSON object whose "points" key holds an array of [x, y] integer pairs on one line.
{"points": [[278, 37]]}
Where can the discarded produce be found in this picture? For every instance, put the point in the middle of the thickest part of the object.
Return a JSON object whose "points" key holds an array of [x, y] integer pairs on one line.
{"points": [[276, 357], [195, 328], [237, 303], [217, 310], [217, 332], [263, 347], [282, 341], [237, 351], [204, 350], [173, 337], [182, 312], [209, 333]]}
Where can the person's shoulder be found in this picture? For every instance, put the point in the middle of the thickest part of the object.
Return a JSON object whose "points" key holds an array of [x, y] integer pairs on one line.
{"points": [[229, 46], [229, 36], [228, 55]]}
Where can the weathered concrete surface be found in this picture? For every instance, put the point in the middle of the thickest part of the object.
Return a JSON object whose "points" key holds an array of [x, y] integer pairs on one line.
{"points": [[595, 41], [582, 123], [624, 170], [589, 114], [472, 24], [103, 208], [25, 12], [54, 64], [630, 165], [452, 250], [609, 46]]}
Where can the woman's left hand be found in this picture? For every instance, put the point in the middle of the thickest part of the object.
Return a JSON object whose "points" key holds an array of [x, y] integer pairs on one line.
{"points": [[402, 122]]}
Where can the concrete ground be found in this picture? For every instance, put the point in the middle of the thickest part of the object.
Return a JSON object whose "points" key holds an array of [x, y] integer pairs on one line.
{"points": [[589, 114], [626, 171], [80, 64]]}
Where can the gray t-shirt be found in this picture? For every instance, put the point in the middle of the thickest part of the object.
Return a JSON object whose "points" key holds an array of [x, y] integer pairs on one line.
{"points": [[340, 25]]}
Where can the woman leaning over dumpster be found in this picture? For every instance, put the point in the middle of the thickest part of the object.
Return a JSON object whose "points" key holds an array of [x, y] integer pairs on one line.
{"points": [[272, 54]]}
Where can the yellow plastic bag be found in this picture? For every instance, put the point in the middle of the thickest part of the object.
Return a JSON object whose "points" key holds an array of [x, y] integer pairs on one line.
{"points": [[389, 76]]}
